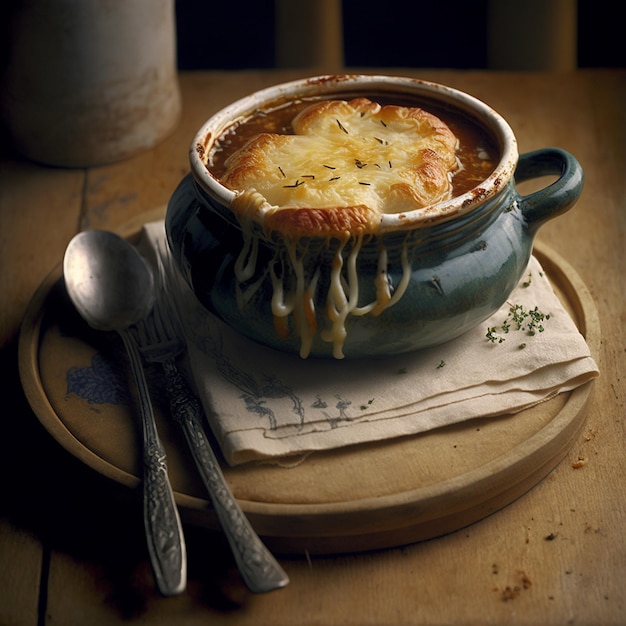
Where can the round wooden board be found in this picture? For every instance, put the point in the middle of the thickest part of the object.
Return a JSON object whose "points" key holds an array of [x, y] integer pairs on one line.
{"points": [[360, 498]]}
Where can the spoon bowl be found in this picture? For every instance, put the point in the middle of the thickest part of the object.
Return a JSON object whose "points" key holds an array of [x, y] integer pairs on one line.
{"points": [[109, 282]]}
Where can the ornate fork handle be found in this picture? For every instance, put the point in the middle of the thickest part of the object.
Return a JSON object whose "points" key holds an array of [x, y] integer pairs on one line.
{"points": [[164, 535], [259, 569]]}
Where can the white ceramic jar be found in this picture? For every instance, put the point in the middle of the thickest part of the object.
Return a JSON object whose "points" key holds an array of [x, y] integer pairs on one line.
{"points": [[90, 82]]}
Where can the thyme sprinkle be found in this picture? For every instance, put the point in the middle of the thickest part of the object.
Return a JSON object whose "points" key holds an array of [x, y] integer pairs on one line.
{"points": [[281, 171], [334, 178], [330, 167], [383, 123], [342, 127], [362, 183], [296, 184]]}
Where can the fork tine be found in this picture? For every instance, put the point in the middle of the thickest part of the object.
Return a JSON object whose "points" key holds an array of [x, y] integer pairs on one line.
{"points": [[159, 335]]}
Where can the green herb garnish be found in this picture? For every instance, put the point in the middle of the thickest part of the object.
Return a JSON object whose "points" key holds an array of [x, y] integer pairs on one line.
{"points": [[519, 318]]}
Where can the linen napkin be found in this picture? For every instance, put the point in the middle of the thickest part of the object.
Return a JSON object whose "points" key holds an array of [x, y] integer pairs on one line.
{"points": [[263, 405]]}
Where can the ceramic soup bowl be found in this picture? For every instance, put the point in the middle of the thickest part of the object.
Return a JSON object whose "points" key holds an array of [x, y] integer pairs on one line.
{"points": [[444, 268]]}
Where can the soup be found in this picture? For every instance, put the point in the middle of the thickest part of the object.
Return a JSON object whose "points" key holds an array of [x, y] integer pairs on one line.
{"points": [[476, 152]]}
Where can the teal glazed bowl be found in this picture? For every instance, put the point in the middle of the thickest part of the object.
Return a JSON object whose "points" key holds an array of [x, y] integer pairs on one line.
{"points": [[448, 267]]}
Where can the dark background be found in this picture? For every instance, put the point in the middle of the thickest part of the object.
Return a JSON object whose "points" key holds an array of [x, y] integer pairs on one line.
{"points": [[239, 34]]}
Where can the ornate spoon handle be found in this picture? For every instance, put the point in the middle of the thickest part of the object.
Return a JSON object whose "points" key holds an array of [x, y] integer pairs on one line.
{"points": [[259, 569], [166, 543]]}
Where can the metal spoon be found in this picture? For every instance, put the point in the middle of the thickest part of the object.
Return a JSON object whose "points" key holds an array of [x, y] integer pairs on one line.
{"points": [[112, 287]]}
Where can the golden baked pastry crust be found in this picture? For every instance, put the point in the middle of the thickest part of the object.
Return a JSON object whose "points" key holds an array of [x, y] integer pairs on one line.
{"points": [[347, 163], [341, 222]]}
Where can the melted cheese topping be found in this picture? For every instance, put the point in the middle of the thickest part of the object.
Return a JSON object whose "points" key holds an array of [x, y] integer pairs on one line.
{"points": [[295, 290], [346, 165]]}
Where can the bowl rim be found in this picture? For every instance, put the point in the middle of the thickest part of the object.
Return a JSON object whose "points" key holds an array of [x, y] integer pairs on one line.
{"points": [[336, 84]]}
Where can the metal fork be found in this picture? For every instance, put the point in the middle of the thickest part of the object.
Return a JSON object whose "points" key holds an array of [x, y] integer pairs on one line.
{"points": [[161, 341]]}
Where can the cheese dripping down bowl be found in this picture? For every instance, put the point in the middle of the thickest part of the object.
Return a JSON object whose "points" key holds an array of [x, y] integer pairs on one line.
{"points": [[355, 216]]}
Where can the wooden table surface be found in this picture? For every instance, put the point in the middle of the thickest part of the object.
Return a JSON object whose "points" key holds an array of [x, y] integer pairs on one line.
{"points": [[71, 542]]}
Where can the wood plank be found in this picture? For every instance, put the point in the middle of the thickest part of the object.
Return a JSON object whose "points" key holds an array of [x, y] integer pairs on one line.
{"points": [[39, 213], [21, 558]]}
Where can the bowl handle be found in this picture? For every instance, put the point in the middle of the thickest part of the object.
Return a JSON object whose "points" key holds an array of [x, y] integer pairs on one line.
{"points": [[556, 198]]}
